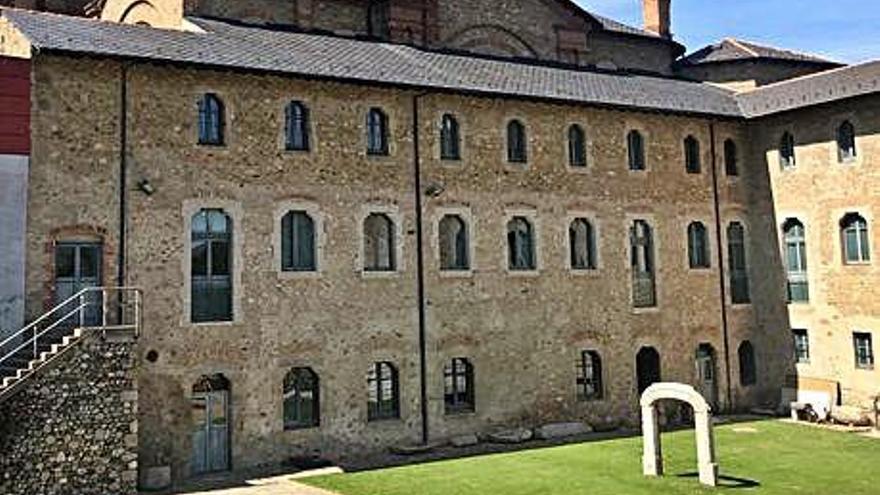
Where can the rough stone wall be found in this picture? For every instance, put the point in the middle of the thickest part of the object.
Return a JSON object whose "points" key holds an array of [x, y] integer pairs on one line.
{"points": [[748, 74], [819, 191], [73, 429], [522, 332]]}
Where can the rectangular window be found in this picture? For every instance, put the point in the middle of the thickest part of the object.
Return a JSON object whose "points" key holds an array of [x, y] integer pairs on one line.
{"points": [[801, 346], [864, 350]]}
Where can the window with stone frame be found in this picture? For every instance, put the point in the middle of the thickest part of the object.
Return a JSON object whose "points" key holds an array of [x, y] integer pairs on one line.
{"points": [[212, 120], [795, 241], [521, 244], [296, 127], [737, 267], [731, 158], [377, 132], [787, 151], [298, 246], [458, 390], [211, 266], [801, 345], [582, 244], [589, 376], [748, 372], [644, 292], [577, 146], [454, 248], [855, 238], [450, 138], [301, 396], [698, 246], [383, 386], [517, 142], [846, 142], [692, 155], [635, 144], [379, 243], [864, 350]]}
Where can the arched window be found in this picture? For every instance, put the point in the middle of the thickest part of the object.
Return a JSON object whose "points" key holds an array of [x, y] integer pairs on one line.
{"points": [[582, 244], [731, 158], [589, 376], [212, 120], [377, 132], [384, 392], [739, 274], [846, 142], [298, 242], [636, 150], [450, 138], [302, 404], [458, 388], [296, 126], [211, 266], [698, 246], [786, 151], [453, 237], [642, 263], [794, 238], [577, 146], [748, 373], [856, 243], [692, 155], [647, 368], [520, 244], [517, 146], [379, 243]]}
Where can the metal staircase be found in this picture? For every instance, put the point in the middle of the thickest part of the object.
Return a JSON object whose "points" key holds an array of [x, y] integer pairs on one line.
{"points": [[91, 310]]}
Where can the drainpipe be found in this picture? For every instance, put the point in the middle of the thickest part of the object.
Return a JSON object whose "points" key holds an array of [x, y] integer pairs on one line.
{"points": [[420, 270], [721, 275], [123, 173]]}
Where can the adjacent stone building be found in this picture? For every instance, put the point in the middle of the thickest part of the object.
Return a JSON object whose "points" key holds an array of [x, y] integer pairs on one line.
{"points": [[367, 224]]}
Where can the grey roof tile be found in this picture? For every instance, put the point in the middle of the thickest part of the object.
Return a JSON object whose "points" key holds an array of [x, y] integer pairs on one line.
{"points": [[731, 49]]}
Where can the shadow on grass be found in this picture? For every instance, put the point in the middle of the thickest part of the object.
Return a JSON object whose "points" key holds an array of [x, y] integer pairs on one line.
{"points": [[724, 481]]}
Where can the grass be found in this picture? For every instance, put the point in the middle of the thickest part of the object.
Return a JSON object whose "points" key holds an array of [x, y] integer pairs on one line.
{"points": [[766, 458]]}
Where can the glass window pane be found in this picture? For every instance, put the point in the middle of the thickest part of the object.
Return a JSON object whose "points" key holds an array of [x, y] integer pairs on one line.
{"points": [[65, 261], [199, 258], [90, 261], [219, 258]]}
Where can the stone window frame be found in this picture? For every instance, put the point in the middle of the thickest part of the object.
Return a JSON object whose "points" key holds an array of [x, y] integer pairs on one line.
{"points": [[869, 366], [593, 218], [437, 126], [629, 220], [738, 217], [590, 166], [723, 139], [777, 147], [837, 215], [313, 209], [229, 137], [599, 351], [392, 119], [709, 225], [281, 121], [796, 333], [467, 215], [371, 360], [530, 214], [783, 255], [235, 212], [529, 142], [392, 211], [447, 358], [834, 123], [642, 128], [280, 367]]}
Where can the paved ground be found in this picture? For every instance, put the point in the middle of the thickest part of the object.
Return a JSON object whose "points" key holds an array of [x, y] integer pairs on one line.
{"points": [[279, 485]]}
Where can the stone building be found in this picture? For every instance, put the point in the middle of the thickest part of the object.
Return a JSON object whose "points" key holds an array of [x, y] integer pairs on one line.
{"points": [[367, 224]]}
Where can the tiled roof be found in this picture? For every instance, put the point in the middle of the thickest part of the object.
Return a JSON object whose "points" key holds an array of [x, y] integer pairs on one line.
{"points": [[814, 89], [235, 46], [730, 49]]}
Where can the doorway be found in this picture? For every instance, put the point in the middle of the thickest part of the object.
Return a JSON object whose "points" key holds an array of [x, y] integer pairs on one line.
{"points": [[707, 381], [78, 267], [210, 413], [647, 368]]}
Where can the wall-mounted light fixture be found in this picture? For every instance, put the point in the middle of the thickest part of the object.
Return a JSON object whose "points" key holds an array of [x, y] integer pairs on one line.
{"points": [[146, 187]]}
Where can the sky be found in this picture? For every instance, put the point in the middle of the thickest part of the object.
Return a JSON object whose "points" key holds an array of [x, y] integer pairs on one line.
{"points": [[843, 30]]}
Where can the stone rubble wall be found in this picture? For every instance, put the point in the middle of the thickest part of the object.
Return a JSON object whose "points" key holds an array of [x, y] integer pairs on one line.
{"points": [[73, 428]]}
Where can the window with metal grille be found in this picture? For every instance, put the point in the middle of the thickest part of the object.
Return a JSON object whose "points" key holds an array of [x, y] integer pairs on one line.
{"points": [[801, 346], [864, 350], [212, 120], [384, 392], [856, 244], [636, 150], [846, 142], [787, 151], [795, 241], [450, 138], [582, 244], [458, 393], [379, 243], [644, 293], [748, 373], [211, 266], [453, 237], [731, 158], [296, 126], [517, 146], [377, 132], [302, 405], [577, 146], [298, 242], [698, 246], [739, 274], [692, 155], [589, 376], [520, 244]]}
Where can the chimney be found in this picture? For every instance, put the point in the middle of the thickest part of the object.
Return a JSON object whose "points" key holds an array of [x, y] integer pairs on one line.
{"points": [[658, 17]]}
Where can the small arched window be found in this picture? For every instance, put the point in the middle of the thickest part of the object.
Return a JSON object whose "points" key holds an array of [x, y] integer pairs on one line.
{"points": [[383, 400], [748, 373], [520, 244], [786, 151], [731, 158], [211, 266], [856, 243], [582, 244], [302, 405], [794, 238], [577, 146], [379, 243], [458, 388], [212, 120], [377, 132], [698, 246], [517, 146], [846, 142], [589, 376], [298, 242], [450, 138], [692, 155], [296, 126], [635, 150], [642, 263], [453, 237], [739, 274]]}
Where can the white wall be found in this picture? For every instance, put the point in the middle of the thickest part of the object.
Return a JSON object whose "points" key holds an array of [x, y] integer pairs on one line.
{"points": [[13, 206]]}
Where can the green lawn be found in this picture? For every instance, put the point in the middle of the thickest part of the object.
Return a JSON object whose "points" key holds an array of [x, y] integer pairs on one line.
{"points": [[769, 457]]}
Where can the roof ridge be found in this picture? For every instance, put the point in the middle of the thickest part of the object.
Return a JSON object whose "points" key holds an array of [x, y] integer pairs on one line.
{"points": [[739, 44], [801, 53]]}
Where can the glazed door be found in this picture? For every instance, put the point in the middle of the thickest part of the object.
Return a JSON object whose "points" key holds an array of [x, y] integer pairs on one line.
{"points": [[78, 266], [706, 376], [211, 433]]}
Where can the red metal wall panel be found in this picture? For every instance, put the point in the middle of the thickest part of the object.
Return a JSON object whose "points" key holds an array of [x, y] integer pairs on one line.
{"points": [[15, 106]]}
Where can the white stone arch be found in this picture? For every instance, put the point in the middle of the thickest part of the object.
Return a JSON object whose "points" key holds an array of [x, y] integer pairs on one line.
{"points": [[652, 457]]}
